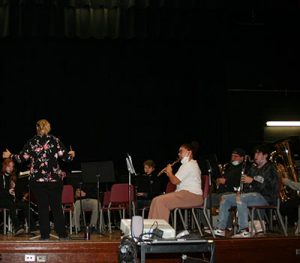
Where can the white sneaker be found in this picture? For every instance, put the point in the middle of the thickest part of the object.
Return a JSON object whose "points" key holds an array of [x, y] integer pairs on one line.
{"points": [[219, 232], [243, 234], [258, 227]]}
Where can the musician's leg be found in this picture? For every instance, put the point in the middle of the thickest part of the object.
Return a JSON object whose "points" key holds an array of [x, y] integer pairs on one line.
{"points": [[55, 195], [92, 204], [24, 206], [242, 206], [227, 201], [77, 213], [10, 204], [162, 205], [40, 192]]}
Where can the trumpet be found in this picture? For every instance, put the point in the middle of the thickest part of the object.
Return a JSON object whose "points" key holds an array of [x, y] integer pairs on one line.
{"points": [[163, 170]]}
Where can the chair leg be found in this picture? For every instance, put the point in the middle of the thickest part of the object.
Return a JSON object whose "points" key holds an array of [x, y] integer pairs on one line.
{"points": [[278, 214], [109, 221], [175, 219], [261, 222], [4, 222], [252, 222], [71, 225], [208, 223], [182, 220], [197, 223], [298, 224]]}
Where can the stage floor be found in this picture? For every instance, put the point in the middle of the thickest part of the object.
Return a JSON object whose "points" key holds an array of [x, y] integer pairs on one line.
{"points": [[272, 247]]}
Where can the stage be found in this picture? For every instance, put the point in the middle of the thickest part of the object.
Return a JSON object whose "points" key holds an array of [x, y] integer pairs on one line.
{"points": [[105, 248]]}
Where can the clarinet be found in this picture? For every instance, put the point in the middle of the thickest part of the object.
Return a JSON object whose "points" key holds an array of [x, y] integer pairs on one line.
{"points": [[241, 187]]}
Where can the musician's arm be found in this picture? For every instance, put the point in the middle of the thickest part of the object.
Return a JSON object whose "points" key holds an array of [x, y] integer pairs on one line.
{"points": [[24, 154]]}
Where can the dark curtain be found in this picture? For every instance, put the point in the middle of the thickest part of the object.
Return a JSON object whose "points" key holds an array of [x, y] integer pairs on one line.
{"points": [[93, 18]]}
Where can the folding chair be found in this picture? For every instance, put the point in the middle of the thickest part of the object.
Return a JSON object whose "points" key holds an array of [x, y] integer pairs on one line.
{"points": [[68, 203], [205, 187], [119, 200], [275, 208]]}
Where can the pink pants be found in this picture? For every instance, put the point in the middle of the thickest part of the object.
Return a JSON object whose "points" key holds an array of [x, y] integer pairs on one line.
{"points": [[162, 205]]}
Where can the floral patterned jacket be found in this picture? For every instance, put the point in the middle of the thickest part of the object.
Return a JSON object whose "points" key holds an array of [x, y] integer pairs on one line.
{"points": [[43, 153]]}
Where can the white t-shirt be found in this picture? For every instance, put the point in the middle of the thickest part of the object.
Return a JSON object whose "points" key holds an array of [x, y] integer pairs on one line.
{"points": [[190, 176]]}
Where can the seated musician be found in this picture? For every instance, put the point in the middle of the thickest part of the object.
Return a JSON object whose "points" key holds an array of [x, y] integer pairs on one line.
{"points": [[260, 187], [187, 179], [231, 175], [8, 197], [87, 197], [148, 185]]}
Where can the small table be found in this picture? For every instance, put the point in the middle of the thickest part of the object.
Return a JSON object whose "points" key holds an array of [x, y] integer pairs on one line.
{"points": [[177, 246]]}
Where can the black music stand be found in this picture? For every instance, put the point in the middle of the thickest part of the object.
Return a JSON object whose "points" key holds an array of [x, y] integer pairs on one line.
{"points": [[17, 189], [92, 172]]}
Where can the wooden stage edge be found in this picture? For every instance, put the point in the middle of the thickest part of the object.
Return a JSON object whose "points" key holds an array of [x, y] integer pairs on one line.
{"points": [[262, 249]]}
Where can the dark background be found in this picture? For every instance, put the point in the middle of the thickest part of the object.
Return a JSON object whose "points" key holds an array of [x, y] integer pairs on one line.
{"points": [[162, 74]]}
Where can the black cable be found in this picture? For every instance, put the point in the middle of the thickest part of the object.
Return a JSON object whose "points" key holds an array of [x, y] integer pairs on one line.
{"points": [[128, 251]]}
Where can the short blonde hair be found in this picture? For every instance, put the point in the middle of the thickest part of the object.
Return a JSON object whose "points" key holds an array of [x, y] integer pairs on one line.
{"points": [[43, 127]]}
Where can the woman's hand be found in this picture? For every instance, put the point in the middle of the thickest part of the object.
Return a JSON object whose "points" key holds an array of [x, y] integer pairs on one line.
{"points": [[6, 154]]}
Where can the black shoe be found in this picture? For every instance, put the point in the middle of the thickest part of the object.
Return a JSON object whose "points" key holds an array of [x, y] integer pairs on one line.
{"points": [[19, 231], [44, 238], [64, 238], [93, 229]]}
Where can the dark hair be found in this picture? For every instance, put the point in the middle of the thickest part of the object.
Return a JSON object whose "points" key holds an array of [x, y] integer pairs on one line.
{"points": [[150, 163], [264, 148], [193, 146], [240, 151]]}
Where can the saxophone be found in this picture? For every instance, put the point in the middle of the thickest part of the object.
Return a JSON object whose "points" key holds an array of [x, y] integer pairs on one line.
{"points": [[285, 165]]}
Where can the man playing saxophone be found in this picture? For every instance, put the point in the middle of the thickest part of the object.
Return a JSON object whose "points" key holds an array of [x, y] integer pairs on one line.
{"points": [[188, 185], [261, 187]]}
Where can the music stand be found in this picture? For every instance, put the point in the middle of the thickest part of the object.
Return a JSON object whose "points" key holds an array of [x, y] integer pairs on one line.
{"points": [[24, 175], [92, 173], [209, 170], [131, 171]]}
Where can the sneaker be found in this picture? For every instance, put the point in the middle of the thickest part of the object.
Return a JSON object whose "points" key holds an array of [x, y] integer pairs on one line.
{"points": [[19, 231], [207, 230], [244, 233], [219, 232], [257, 226]]}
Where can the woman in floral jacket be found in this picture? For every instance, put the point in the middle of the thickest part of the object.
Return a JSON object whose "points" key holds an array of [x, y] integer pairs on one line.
{"points": [[43, 152]]}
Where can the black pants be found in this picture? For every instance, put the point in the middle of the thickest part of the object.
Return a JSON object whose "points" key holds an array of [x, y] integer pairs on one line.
{"points": [[289, 208], [11, 205], [48, 195]]}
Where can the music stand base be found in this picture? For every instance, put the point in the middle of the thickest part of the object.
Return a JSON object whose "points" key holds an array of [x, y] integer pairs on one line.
{"points": [[39, 236]]}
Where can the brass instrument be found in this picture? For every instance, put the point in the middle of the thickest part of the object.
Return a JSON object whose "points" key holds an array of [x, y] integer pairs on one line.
{"points": [[172, 164], [282, 158]]}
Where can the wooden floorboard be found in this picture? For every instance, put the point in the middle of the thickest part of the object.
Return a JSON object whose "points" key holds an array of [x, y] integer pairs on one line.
{"points": [[105, 248]]}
